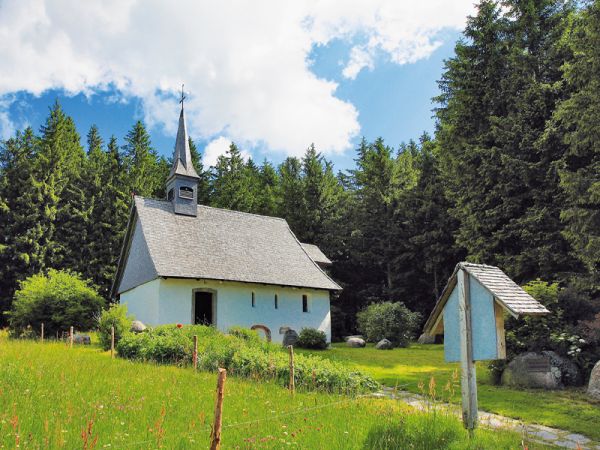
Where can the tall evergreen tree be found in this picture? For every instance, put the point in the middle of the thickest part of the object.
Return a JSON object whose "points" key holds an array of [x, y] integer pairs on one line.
{"points": [[576, 123], [58, 167], [145, 173], [22, 251], [231, 185]]}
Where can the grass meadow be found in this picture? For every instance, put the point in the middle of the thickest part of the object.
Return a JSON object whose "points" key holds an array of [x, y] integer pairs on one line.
{"points": [[53, 397], [567, 409]]}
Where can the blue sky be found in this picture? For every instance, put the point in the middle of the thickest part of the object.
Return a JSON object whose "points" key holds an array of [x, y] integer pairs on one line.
{"points": [[393, 101], [273, 76]]}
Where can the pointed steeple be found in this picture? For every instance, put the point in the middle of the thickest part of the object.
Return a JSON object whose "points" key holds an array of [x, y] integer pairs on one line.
{"points": [[182, 183], [182, 157]]}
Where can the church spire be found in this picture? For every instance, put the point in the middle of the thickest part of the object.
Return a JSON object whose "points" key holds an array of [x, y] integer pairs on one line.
{"points": [[182, 157], [182, 183]]}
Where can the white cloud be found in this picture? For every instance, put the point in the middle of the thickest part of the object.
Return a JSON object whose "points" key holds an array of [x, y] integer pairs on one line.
{"points": [[246, 63], [218, 147]]}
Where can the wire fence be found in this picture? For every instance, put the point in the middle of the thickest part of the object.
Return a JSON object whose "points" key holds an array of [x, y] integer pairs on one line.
{"points": [[208, 428]]}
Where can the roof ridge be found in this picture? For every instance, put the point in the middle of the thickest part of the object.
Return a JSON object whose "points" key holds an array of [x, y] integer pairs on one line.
{"points": [[233, 211], [243, 213]]}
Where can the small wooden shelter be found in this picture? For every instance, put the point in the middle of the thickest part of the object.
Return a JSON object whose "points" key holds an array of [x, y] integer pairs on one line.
{"points": [[470, 313]]}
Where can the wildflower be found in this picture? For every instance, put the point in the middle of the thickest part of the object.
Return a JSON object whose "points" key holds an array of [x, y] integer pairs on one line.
{"points": [[179, 325]]}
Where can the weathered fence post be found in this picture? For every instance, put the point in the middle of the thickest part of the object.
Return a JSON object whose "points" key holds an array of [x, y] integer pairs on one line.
{"points": [[42, 334], [71, 337], [215, 435], [195, 354], [112, 341], [467, 364], [292, 377]]}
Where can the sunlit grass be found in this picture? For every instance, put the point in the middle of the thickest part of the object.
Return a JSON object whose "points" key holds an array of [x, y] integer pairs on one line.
{"points": [[567, 409], [55, 397]]}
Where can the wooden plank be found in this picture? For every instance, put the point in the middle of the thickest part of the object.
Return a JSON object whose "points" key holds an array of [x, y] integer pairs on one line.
{"points": [[500, 335], [468, 379]]}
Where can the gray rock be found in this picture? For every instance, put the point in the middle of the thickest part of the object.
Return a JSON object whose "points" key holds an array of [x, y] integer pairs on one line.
{"points": [[290, 337], [83, 339], [594, 386], [570, 375], [360, 336], [355, 342], [137, 326], [426, 339], [384, 344], [532, 370]]}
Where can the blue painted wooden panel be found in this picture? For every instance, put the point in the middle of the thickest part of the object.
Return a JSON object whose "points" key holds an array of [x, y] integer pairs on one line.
{"points": [[452, 328], [483, 324]]}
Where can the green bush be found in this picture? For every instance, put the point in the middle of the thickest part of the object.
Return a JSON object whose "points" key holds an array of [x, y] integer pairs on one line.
{"points": [[245, 333], [241, 355], [59, 300], [312, 338], [114, 316], [387, 320]]}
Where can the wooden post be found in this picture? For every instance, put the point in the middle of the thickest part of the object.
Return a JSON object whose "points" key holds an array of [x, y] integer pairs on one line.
{"points": [[292, 377], [195, 354], [71, 337], [42, 334], [112, 341], [468, 379], [215, 435]]}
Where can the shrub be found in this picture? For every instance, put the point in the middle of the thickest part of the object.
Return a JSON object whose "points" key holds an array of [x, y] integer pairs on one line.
{"points": [[60, 299], [387, 320], [312, 338], [241, 355], [245, 333], [114, 316]]}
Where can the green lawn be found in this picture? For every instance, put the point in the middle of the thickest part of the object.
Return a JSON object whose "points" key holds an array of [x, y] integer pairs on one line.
{"points": [[406, 367], [55, 397]]}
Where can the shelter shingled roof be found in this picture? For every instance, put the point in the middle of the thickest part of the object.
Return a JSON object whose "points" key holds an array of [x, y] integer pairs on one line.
{"points": [[508, 293]]}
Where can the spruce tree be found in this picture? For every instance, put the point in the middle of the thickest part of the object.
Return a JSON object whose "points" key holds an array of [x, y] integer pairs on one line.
{"points": [[22, 251]]}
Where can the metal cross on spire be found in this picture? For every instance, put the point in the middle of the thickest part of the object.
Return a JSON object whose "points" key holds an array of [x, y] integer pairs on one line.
{"points": [[183, 97]]}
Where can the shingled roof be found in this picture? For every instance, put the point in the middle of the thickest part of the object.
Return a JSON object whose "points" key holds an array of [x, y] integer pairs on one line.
{"points": [[219, 244], [316, 254], [508, 293]]}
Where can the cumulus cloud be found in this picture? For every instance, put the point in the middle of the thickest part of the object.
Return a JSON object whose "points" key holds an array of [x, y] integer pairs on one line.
{"points": [[246, 63], [218, 147]]}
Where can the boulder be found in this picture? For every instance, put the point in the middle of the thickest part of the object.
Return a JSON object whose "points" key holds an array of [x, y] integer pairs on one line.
{"points": [[426, 339], [137, 326], [355, 342], [360, 336], [384, 344], [594, 386], [290, 337], [545, 370], [83, 339], [570, 375]]}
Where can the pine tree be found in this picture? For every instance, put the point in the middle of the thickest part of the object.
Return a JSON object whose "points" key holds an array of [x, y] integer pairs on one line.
{"points": [[58, 167], [232, 182], [575, 124], [268, 190], [292, 204], [204, 181], [146, 174], [21, 246]]}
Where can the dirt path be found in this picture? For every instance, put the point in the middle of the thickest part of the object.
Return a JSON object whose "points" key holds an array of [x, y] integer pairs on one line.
{"points": [[540, 433]]}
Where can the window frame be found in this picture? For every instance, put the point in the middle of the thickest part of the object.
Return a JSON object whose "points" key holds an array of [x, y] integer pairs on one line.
{"points": [[276, 301], [253, 300]]}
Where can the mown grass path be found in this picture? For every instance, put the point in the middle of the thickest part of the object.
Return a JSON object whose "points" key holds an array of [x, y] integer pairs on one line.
{"points": [[406, 368], [59, 398]]}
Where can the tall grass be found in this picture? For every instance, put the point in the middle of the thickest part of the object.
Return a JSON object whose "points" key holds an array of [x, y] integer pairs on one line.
{"points": [[53, 397]]}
